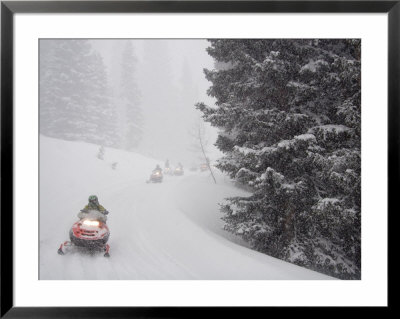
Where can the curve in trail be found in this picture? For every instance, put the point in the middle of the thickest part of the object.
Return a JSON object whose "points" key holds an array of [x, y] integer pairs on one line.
{"points": [[165, 241], [170, 230]]}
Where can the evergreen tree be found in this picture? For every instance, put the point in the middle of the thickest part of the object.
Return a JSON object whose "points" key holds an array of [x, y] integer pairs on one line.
{"points": [[74, 101], [101, 113], [290, 121], [131, 98]]}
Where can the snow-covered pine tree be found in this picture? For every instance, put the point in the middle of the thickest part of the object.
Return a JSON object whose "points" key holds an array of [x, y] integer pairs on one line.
{"points": [[60, 87], [74, 102], [102, 115], [289, 114], [131, 98]]}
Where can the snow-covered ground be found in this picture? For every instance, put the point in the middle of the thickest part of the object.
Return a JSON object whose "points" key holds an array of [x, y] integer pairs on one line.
{"points": [[170, 230]]}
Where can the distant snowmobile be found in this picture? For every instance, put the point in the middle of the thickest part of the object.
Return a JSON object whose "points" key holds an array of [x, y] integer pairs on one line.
{"points": [[90, 232], [203, 167], [167, 171], [178, 171], [156, 177]]}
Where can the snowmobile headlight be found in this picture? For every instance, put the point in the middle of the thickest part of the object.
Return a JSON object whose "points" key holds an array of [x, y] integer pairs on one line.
{"points": [[91, 223]]}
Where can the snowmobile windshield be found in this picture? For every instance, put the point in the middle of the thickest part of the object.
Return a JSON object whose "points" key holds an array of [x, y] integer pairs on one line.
{"points": [[93, 215]]}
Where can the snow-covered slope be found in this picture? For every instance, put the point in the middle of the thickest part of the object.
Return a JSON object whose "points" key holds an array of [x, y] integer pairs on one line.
{"points": [[170, 230]]}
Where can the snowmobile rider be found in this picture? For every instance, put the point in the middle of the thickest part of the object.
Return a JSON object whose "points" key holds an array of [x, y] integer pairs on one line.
{"points": [[167, 163], [93, 205], [157, 169]]}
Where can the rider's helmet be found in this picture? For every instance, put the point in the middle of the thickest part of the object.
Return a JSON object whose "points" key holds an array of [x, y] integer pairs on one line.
{"points": [[93, 200]]}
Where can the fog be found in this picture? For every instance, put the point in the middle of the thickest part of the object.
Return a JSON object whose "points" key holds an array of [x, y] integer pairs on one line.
{"points": [[136, 95], [170, 81]]}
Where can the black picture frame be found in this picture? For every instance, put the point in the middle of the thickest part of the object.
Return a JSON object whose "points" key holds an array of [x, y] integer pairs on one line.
{"points": [[9, 8]]}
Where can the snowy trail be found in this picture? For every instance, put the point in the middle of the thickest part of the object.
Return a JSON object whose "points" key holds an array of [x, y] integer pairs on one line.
{"points": [[158, 231]]}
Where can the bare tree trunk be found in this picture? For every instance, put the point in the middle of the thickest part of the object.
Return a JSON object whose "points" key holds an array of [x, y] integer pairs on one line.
{"points": [[205, 157]]}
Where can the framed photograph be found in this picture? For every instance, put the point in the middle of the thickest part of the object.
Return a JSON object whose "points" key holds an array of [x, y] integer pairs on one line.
{"points": [[165, 157]]}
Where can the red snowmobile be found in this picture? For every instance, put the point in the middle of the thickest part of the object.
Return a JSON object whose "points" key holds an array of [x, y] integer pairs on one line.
{"points": [[90, 232]]}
